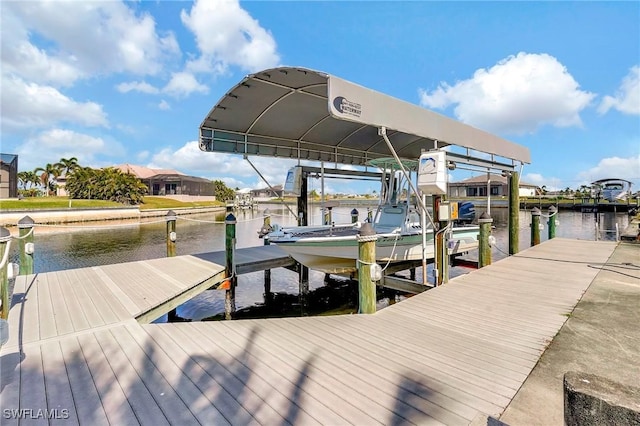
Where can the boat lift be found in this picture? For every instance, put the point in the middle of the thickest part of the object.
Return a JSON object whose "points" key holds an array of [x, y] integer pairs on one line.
{"points": [[299, 113]]}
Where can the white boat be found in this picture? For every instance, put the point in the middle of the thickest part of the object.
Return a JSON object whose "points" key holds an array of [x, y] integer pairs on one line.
{"points": [[334, 248]]}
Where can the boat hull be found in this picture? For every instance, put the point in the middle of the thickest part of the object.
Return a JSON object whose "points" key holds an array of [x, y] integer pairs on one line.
{"points": [[337, 255]]}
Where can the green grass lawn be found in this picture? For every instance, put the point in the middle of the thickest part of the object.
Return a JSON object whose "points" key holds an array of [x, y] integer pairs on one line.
{"points": [[43, 203]]}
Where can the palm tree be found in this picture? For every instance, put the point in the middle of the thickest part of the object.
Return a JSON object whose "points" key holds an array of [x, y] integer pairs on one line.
{"points": [[67, 165], [48, 176]]}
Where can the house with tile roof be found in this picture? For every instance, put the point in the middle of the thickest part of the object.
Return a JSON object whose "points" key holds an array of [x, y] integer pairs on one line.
{"points": [[168, 181], [477, 187]]}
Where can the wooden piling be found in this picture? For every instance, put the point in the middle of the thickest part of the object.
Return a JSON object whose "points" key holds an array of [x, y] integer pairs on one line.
{"points": [[369, 215], [171, 233], [366, 259], [535, 226], [5, 237], [170, 218], [514, 210], [26, 246], [229, 244], [552, 221], [268, 297], [484, 249], [303, 271], [354, 215]]}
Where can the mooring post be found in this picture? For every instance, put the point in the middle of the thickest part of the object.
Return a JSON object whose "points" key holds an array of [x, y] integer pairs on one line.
{"points": [[369, 215], [171, 233], [514, 211], [354, 215], [170, 218], [552, 221], [266, 224], [326, 220], [5, 237], [484, 249], [230, 245], [303, 271], [27, 248], [535, 226], [366, 260]]}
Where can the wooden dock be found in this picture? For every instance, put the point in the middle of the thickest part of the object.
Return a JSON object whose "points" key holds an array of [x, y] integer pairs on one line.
{"points": [[440, 357]]}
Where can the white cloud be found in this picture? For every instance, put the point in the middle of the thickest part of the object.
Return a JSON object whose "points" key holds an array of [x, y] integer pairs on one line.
{"points": [[517, 95], [615, 168], [164, 105], [32, 105], [190, 159], [137, 86], [228, 36], [183, 84], [83, 39], [51, 145], [627, 98]]}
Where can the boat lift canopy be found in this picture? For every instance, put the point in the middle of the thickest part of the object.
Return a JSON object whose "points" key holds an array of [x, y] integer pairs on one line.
{"points": [[299, 113]]}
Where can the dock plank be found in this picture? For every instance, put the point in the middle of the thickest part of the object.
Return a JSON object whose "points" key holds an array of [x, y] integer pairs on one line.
{"points": [[113, 398], [293, 386], [87, 407], [57, 386], [196, 401], [440, 357]]}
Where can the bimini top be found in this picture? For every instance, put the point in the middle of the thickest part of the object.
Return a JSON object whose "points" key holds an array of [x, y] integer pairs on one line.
{"points": [[309, 115]]}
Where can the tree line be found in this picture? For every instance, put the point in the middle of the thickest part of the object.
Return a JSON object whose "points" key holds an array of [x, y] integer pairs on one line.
{"points": [[107, 183]]}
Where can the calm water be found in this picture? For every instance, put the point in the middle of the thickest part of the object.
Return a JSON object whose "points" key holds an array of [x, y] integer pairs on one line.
{"points": [[66, 247]]}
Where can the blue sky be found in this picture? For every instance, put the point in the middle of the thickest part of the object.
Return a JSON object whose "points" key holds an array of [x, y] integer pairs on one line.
{"points": [[113, 82]]}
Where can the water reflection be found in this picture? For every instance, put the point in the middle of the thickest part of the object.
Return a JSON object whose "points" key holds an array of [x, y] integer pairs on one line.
{"points": [[75, 247]]}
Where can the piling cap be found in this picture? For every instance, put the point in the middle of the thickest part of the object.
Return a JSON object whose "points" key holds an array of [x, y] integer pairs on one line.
{"points": [[535, 211], [552, 209], [171, 215], [484, 218], [366, 233], [354, 212], [5, 235], [26, 222], [230, 219]]}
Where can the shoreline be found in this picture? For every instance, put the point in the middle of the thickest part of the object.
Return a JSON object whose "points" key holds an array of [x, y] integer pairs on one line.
{"points": [[96, 214]]}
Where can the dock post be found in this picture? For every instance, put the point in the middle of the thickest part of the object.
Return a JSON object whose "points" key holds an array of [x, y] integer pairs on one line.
{"points": [[535, 226], [170, 218], [25, 227], [369, 215], [171, 233], [5, 238], [354, 215], [484, 250], [266, 224], [303, 271], [366, 260], [230, 245], [552, 221], [514, 210]]}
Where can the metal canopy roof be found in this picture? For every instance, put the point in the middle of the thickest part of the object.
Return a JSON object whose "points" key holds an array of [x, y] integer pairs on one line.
{"points": [[309, 115]]}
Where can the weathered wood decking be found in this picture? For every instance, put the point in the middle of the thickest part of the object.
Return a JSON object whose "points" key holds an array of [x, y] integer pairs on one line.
{"points": [[440, 357]]}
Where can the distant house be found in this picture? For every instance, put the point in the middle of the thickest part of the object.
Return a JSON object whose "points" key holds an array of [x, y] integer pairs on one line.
{"points": [[8, 176], [267, 192], [169, 181], [477, 187]]}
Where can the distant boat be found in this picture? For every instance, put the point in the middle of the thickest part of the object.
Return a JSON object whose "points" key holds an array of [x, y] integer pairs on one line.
{"points": [[611, 190], [334, 248]]}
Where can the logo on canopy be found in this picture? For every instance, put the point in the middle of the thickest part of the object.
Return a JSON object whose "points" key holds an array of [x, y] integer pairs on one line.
{"points": [[347, 107]]}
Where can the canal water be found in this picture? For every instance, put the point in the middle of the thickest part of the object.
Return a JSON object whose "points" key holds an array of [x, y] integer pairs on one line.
{"points": [[60, 247]]}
